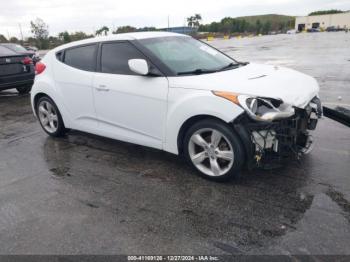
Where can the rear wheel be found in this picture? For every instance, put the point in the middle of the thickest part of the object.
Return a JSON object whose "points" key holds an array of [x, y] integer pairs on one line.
{"points": [[213, 148], [49, 117], [24, 89]]}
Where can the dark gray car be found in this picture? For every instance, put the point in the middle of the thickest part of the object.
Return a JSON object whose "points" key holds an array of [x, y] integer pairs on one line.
{"points": [[22, 51], [16, 71]]}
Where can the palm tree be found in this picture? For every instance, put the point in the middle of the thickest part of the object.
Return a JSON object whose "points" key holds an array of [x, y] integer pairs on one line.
{"points": [[104, 29], [190, 21], [194, 21], [197, 19]]}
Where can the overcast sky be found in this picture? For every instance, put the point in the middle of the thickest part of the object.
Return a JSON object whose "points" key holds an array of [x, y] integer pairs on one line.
{"points": [[89, 15]]}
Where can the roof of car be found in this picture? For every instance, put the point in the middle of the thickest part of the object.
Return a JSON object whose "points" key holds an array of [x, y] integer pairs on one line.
{"points": [[141, 35], [124, 36]]}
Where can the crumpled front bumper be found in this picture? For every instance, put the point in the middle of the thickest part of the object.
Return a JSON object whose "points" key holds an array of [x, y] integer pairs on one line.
{"points": [[280, 139]]}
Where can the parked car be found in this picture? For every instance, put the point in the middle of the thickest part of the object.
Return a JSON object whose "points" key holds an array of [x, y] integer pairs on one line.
{"points": [[174, 93], [16, 71], [31, 48], [313, 30], [22, 51], [334, 29]]}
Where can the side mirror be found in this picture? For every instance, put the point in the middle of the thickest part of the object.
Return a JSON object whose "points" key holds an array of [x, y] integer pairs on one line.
{"points": [[138, 66]]}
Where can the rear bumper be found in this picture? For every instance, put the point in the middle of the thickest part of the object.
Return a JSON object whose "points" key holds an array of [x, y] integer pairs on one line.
{"points": [[12, 81], [16, 84], [8, 82]]}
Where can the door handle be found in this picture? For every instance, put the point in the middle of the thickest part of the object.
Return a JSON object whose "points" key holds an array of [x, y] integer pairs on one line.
{"points": [[102, 88]]}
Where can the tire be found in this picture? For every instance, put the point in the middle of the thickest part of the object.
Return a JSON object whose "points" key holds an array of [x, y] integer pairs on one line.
{"points": [[24, 89], [50, 117], [213, 149]]}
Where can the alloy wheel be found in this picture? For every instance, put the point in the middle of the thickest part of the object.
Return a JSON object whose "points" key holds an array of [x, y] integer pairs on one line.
{"points": [[211, 152], [48, 116]]}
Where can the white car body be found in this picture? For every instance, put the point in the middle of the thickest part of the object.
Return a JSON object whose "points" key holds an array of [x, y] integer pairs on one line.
{"points": [[150, 111]]}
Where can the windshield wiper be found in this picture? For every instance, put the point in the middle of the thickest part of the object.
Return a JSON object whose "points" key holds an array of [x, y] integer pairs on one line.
{"points": [[206, 71], [228, 66], [197, 72]]}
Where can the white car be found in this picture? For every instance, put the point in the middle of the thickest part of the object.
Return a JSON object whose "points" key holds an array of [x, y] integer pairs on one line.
{"points": [[174, 93]]}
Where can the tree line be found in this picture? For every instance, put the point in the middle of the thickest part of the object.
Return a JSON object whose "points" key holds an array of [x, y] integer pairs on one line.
{"points": [[326, 12], [263, 24], [43, 40], [229, 25]]}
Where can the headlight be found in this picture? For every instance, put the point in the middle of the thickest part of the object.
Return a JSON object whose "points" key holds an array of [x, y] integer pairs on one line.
{"points": [[259, 108], [252, 104]]}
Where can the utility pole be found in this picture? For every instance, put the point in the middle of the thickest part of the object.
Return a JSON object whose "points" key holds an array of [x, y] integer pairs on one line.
{"points": [[168, 22], [20, 30]]}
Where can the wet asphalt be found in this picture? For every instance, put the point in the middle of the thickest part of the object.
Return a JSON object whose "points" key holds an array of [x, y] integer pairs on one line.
{"points": [[84, 194]]}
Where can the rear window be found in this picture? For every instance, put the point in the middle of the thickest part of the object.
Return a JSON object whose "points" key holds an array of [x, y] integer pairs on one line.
{"points": [[82, 57], [6, 52], [16, 48]]}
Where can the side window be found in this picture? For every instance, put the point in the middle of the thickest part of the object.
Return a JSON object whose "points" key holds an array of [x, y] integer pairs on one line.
{"points": [[82, 57], [59, 56], [115, 57]]}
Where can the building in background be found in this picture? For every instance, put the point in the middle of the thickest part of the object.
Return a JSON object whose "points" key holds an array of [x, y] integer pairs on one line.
{"points": [[340, 21]]}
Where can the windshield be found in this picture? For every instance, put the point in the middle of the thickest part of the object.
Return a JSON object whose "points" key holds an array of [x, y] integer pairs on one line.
{"points": [[186, 55], [16, 48]]}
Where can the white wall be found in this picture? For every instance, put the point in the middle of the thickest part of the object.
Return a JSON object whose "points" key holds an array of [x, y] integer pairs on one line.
{"points": [[342, 20]]}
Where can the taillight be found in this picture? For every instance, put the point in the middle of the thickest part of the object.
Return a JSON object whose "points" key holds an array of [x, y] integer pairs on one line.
{"points": [[39, 68], [27, 60]]}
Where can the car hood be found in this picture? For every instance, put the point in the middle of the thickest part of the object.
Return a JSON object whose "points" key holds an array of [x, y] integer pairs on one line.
{"points": [[294, 88]]}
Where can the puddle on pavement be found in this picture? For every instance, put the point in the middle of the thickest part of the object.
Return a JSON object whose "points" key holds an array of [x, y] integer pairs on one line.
{"points": [[310, 236], [60, 172], [339, 198], [78, 150], [264, 48]]}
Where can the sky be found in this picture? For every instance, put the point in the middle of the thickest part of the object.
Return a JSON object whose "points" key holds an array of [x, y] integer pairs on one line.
{"points": [[89, 15]]}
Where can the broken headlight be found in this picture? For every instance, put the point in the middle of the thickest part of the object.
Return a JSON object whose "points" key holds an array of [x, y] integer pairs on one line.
{"points": [[265, 109], [259, 108]]}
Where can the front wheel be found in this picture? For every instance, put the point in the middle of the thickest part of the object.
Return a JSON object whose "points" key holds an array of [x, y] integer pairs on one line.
{"points": [[213, 148]]}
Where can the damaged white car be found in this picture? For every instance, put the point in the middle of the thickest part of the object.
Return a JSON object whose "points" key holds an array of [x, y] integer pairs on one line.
{"points": [[177, 94]]}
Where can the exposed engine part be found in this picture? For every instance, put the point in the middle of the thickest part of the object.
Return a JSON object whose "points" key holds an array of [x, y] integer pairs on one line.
{"points": [[265, 139], [312, 123], [280, 138], [309, 145], [316, 105]]}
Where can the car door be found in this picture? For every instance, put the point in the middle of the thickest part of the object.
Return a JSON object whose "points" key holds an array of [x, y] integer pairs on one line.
{"points": [[129, 107], [74, 71]]}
